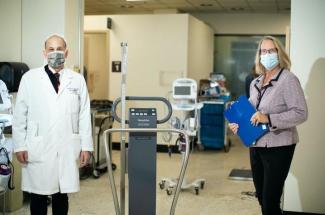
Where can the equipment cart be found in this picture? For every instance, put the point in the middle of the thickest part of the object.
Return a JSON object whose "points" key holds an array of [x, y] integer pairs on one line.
{"points": [[101, 120], [213, 126]]}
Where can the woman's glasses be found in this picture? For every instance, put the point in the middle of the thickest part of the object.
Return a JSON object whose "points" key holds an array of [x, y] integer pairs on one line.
{"points": [[270, 51]]}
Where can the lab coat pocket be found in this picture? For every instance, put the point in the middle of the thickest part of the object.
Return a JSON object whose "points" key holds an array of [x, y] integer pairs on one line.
{"points": [[75, 123], [35, 149], [76, 145], [72, 103], [32, 129]]}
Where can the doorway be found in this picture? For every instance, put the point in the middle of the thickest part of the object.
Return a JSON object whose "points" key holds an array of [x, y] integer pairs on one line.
{"points": [[96, 58]]}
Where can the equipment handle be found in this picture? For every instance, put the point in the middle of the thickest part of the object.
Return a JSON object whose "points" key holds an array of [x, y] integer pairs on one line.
{"points": [[142, 98]]}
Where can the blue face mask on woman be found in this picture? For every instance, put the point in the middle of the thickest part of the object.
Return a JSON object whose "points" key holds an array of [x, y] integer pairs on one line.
{"points": [[269, 61]]}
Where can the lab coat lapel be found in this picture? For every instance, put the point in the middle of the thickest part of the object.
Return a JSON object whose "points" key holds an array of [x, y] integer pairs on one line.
{"points": [[50, 97], [66, 80], [47, 85]]}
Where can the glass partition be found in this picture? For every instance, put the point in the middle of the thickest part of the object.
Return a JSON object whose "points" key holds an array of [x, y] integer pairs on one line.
{"points": [[234, 57]]}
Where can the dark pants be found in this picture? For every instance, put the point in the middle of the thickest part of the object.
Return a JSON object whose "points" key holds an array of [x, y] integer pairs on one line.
{"points": [[38, 204], [270, 167]]}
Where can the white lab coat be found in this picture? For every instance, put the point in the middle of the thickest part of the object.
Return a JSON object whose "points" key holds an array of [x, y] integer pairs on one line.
{"points": [[53, 128]]}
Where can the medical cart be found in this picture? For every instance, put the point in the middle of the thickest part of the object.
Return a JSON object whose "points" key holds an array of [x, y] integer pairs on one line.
{"points": [[213, 126]]}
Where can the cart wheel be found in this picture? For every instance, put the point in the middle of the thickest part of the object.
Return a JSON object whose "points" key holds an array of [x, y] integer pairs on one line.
{"points": [[169, 191], [230, 142], [200, 147], [96, 174], [202, 185], [197, 190], [162, 185], [227, 146]]}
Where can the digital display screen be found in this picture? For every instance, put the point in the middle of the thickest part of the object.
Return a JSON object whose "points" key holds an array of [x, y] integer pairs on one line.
{"points": [[182, 90]]}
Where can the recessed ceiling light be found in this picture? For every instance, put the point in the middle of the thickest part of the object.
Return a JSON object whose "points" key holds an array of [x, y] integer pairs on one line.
{"points": [[237, 8], [127, 6], [206, 5]]}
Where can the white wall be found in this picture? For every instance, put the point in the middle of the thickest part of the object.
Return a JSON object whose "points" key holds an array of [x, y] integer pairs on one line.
{"points": [[43, 18], [246, 23], [10, 25], [305, 186], [156, 43], [160, 48], [26, 24], [157, 54], [73, 18], [200, 50], [37, 24]]}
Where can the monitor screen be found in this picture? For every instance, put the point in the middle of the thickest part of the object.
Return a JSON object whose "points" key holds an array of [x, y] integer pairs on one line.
{"points": [[182, 90]]}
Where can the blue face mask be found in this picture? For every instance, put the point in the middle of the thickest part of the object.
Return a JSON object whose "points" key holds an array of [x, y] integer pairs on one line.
{"points": [[269, 61]]}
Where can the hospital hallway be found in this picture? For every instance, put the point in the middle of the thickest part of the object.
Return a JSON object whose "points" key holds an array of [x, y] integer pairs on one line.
{"points": [[219, 196]]}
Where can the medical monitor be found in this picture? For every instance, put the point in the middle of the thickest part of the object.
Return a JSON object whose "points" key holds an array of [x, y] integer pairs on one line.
{"points": [[184, 88]]}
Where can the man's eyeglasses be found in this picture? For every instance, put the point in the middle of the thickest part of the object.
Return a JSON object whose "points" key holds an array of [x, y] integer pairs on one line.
{"points": [[270, 51]]}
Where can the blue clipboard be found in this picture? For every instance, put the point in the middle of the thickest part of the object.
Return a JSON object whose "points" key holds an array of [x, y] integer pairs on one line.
{"points": [[240, 112]]}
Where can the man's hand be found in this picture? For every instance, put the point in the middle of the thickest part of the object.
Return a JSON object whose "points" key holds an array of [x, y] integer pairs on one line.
{"points": [[84, 158], [22, 157]]}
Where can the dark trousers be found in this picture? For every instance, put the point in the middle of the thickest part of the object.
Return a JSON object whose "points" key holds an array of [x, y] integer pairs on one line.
{"points": [[270, 167], [38, 204]]}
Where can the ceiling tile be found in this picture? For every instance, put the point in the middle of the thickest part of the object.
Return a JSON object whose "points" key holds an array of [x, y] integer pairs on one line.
{"points": [[155, 6], [193, 6], [263, 5], [205, 4], [262, 1], [171, 1]]}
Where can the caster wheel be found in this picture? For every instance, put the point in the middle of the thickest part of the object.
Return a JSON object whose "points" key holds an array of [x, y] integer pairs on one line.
{"points": [[114, 166], [227, 146], [96, 174], [162, 185], [197, 190], [202, 185], [169, 191], [200, 147]]}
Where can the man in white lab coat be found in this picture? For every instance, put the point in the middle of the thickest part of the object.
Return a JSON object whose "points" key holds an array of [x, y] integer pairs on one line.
{"points": [[52, 130]]}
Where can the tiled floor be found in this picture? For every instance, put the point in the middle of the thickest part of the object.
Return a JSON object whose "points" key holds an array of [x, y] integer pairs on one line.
{"points": [[220, 195]]}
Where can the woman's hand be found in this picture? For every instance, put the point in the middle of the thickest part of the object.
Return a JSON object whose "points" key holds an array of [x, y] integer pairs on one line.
{"points": [[233, 127], [259, 117]]}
